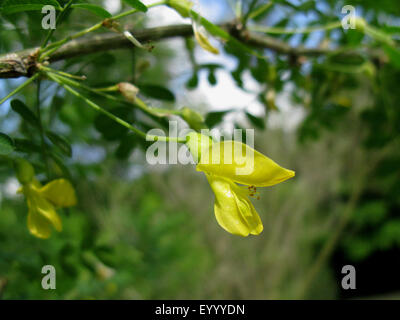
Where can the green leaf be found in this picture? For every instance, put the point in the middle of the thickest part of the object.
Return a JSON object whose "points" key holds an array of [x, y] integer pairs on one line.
{"points": [[260, 71], [193, 82], [157, 92], [256, 121], [389, 234], [183, 7], [213, 118], [13, 6], [211, 66], [56, 105], [97, 10], [57, 165], [110, 129], [212, 79], [6, 144], [210, 27], [136, 4], [128, 143], [369, 213], [25, 113], [27, 146], [393, 54], [260, 12], [60, 142], [391, 29]]}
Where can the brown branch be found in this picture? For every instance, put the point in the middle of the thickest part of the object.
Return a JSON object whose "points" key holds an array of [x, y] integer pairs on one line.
{"points": [[279, 46], [111, 41], [19, 64]]}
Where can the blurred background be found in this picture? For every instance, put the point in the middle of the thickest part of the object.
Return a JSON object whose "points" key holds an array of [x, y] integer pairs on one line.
{"points": [[149, 232]]}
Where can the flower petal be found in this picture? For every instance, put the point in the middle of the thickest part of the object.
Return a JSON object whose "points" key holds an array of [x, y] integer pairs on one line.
{"points": [[201, 36], [59, 192], [238, 162], [38, 225], [40, 206], [233, 210]]}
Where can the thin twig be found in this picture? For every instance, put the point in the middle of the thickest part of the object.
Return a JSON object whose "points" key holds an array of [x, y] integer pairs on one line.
{"points": [[112, 116], [19, 88], [41, 131]]}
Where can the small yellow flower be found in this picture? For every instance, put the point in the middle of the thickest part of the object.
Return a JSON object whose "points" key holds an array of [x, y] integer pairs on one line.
{"points": [[43, 200], [201, 36], [184, 8], [228, 164], [233, 209]]}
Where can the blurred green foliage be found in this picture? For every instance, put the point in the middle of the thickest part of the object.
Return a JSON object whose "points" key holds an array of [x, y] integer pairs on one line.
{"points": [[139, 249], [139, 233]]}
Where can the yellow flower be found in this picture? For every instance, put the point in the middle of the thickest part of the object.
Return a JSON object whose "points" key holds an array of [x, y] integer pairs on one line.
{"points": [[233, 209], [43, 200], [201, 36], [184, 8], [227, 164]]}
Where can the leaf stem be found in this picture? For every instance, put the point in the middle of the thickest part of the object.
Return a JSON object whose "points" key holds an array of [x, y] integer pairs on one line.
{"points": [[157, 112], [262, 9], [47, 51], [378, 35], [249, 11], [30, 80], [63, 74], [58, 20], [112, 116]]}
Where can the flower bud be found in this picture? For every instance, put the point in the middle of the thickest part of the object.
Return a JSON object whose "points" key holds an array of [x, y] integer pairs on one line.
{"points": [[201, 35], [270, 97], [369, 69], [128, 90], [193, 118], [112, 25], [24, 171], [360, 24]]}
